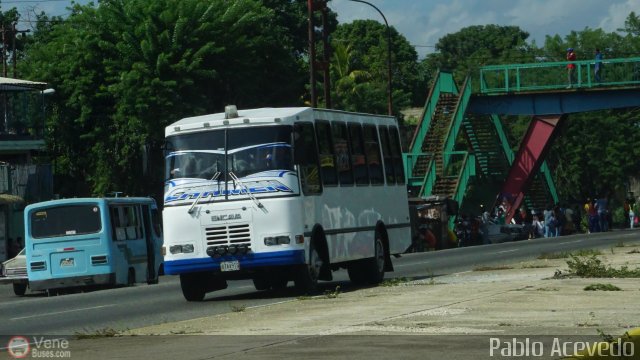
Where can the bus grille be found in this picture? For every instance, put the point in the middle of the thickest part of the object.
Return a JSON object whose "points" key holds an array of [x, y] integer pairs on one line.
{"points": [[38, 265], [99, 260], [228, 234]]}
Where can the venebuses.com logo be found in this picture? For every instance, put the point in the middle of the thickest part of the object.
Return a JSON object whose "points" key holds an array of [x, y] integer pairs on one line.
{"points": [[20, 347]]}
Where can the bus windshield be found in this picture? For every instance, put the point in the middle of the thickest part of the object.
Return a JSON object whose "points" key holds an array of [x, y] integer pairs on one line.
{"points": [[243, 151], [66, 221]]}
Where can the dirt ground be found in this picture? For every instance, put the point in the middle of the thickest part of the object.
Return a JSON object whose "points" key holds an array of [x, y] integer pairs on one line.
{"points": [[459, 316]]}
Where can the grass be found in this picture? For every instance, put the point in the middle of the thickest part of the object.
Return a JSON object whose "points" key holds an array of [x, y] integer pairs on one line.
{"points": [[395, 281], [535, 266], [100, 333], [567, 254], [332, 294], [238, 308], [592, 267], [602, 287], [490, 268]]}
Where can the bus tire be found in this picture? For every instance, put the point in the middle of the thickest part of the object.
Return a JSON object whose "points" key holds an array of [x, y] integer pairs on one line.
{"points": [[261, 283], [19, 289], [306, 280], [193, 286], [279, 283], [131, 277], [369, 271], [155, 280]]}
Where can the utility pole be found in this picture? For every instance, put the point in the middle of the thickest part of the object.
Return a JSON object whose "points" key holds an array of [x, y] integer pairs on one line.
{"points": [[4, 52], [389, 72], [14, 57], [313, 6]]}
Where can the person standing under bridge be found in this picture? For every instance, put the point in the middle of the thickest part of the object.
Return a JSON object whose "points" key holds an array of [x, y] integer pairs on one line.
{"points": [[571, 56]]}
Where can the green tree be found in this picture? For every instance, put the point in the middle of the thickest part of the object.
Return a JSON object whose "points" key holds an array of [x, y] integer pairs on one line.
{"points": [[367, 43], [126, 69], [475, 46], [596, 153]]}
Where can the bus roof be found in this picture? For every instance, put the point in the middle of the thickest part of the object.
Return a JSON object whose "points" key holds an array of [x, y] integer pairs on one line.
{"points": [[269, 116], [108, 200]]}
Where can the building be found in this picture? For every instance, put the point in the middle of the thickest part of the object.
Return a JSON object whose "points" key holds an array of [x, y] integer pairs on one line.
{"points": [[25, 169]]}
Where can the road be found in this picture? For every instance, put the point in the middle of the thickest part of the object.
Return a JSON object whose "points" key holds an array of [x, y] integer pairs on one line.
{"points": [[143, 305]]}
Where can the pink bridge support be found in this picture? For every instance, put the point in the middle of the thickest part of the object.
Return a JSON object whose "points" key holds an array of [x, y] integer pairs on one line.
{"points": [[526, 164]]}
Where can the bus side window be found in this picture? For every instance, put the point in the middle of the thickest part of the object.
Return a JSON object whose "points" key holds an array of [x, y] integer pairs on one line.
{"points": [[117, 220], [341, 147], [358, 158], [372, 150], [396, 154], [387, 160], [306, 157], [130, 221], [327, 158]]}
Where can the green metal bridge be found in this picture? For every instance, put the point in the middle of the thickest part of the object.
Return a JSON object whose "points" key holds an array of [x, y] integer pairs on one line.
{"points": [[460, 148]]}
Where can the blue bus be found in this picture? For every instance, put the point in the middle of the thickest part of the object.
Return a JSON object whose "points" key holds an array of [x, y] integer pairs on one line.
{"points": [[83, 242]]}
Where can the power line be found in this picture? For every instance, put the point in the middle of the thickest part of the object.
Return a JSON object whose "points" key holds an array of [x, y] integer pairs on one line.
{"points": [[30, 1]]}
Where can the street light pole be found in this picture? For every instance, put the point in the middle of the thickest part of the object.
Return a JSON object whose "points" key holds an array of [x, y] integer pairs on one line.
{"points": [[389, 78]]}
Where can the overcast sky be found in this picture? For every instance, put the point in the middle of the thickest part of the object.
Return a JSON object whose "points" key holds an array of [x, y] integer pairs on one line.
{"points": [[423, 22]]}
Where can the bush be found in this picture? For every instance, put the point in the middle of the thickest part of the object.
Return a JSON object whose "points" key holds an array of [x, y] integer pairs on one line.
{"points": [[592, 267]]}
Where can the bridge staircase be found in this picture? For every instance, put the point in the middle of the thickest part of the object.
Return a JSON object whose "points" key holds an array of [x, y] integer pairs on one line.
{"points": [[438, 163]]}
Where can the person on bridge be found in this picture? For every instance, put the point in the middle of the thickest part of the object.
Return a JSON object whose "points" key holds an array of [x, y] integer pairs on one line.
{"points": [[571, 56], [597, 68]]}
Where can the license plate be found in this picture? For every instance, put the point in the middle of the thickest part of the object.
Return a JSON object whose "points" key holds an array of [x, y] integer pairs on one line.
{"points": [[67, 262], [230, 266]]}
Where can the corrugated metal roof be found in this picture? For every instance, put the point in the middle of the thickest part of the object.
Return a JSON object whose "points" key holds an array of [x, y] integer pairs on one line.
{"points": [[10, 84]]}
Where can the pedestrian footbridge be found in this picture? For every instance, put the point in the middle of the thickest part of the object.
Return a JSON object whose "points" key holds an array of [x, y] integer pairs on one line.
{"points": [[460, 148]]}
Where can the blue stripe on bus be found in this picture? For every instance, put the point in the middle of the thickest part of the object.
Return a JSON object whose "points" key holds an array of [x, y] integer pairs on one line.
{"points": [[253, 260]]}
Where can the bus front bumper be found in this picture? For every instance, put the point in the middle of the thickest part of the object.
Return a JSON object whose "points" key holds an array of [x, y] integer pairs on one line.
{"points": [[76, 281], [250, 262]]}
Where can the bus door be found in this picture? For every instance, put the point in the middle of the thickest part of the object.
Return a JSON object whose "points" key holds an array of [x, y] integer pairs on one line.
{"points": [[150, 244], [127, 221]]}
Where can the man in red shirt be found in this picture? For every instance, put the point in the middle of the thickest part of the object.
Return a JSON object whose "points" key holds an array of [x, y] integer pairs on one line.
{"points": [[571, 56]]}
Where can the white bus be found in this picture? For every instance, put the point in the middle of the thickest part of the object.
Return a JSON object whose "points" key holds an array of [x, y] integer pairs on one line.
{"points": [[282, 194]]}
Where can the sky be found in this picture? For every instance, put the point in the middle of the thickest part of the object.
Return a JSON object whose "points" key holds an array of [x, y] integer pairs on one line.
{"points": [[423, 22]]}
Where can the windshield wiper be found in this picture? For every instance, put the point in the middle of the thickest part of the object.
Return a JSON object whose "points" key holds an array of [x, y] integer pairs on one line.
{"points": [[195, 202], [242, 185]]}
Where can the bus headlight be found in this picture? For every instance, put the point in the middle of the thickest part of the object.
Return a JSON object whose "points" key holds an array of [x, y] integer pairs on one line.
{"points": [[181, 249], [243, 249], [277, 240]]}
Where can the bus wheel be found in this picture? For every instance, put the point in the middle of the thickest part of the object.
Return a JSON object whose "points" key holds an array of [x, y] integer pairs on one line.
{"points": [[279, 283], [261, 283], [192, 285], [306, 280], [156, 280], [131, 277], [19, 289], [369, 271]]}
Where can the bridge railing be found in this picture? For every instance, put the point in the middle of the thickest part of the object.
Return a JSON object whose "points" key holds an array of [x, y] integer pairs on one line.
{"points": [[554, 75]]}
